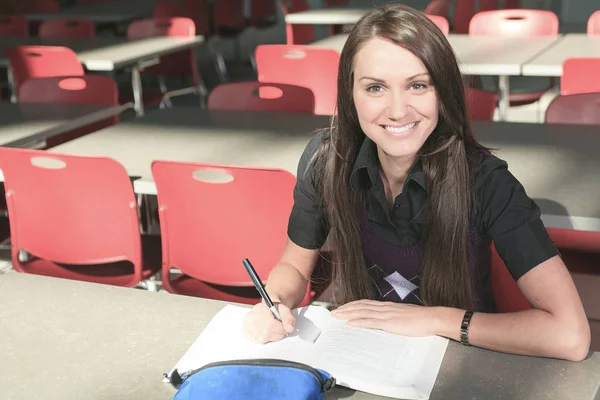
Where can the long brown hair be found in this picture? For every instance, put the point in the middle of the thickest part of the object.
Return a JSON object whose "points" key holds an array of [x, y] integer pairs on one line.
{"points": [[448, 157]]}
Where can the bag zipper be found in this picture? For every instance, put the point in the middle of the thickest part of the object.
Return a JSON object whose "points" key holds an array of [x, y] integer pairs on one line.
{"points": [[177, 379]]}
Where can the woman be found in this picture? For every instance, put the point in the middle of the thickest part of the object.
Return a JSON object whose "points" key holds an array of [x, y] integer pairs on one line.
{"points": [[411, 203]]}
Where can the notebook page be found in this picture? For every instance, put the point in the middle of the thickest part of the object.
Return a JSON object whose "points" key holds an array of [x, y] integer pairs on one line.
{"points": [[379, 362], [223, 339]]}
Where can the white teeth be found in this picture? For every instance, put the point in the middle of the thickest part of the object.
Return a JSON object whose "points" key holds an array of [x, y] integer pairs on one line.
{"points": [[400, 129]]}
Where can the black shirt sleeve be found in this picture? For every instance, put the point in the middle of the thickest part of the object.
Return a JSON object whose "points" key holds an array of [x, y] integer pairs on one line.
{"points": [[307, 225], [510, 218]]}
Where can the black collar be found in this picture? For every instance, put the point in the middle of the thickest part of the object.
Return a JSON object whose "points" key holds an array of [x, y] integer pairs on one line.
{"points": [[368, 160]]}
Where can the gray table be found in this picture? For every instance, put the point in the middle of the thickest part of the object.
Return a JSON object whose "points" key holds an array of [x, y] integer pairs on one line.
{"points": [[557, 164], [482, 55], [112, 54], [66, 340], [550, 62], [29, 125], [327, 16], [114, 12]]}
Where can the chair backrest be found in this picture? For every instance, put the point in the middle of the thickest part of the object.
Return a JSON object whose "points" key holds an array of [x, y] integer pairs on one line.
{"points": [[91, 2], [257, 96], [151, 27], [13, 25], [37, 6], [519, 22], [27, 62], [262, 10], [593, 26], [488, 5], [70, 209], [175, 64], [209, 227], [68, 28], [575, 109], [199, 12], [87, 89], [463, 13], [439, 8], [480, 105], [168, 9], [297, 33], [228, 14], [441, 23], [580, 75], [311, 67]]}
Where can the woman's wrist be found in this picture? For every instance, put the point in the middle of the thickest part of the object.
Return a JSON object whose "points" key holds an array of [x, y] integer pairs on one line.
{"points": [[447, 321]]}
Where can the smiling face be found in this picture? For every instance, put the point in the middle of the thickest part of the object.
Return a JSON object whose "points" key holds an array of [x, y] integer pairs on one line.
{"points": [[395, 100]]}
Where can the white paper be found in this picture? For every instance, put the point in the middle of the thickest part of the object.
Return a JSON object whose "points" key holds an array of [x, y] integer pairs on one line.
{"points": [[362, 359]]}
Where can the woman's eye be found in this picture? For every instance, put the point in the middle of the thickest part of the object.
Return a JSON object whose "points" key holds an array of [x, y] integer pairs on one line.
{"points": [[419, 86], [374, 88]]}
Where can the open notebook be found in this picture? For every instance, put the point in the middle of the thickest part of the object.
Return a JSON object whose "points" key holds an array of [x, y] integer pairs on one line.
{"points": [[362, 359]]}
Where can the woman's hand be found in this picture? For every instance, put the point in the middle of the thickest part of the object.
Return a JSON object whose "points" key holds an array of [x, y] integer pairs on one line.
{"points": [[398, 318], [261, 326]]}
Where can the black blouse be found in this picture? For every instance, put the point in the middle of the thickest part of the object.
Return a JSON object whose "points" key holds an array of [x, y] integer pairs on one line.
{"points": [[504, 212]]}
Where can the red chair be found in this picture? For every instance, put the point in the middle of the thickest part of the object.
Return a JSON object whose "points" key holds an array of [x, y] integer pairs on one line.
{"points": [[488, 5], [480, 105], [88, 227], [575, 109], [441, 23], [37, 6], [168, 9], [593, 26], [297, 33], [13, 25], [206, 232], [520, 23], [512, 4], [179, 64], [91, 2], [27, 62], [580, 75], [68, 28], [88, 89], [263, 14], [256, 96], [311, 67], [439, 8], [463, 13]]}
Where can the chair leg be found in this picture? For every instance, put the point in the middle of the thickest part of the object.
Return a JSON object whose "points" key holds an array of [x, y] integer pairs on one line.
{"points": [[253, 62], [221, 67]]}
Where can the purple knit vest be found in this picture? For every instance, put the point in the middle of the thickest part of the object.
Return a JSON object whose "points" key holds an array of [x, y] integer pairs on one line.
{"points": [[396, 271]]}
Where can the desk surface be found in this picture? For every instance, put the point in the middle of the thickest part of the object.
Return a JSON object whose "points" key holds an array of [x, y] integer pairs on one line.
{"points": [[479, 55], [22, 125], [108, 54], [72, 340], [574, 45], [327, 16], [556, 164], [113, 12]]}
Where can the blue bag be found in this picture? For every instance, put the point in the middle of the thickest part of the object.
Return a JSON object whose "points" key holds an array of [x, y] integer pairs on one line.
{"points": [[254, 379]]}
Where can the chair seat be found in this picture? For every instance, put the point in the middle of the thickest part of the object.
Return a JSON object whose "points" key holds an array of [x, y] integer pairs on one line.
{"points": [[188, 286], [117, 273]]}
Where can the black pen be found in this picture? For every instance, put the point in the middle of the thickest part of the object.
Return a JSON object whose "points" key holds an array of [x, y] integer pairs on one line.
{"points": [[260, 287]]}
